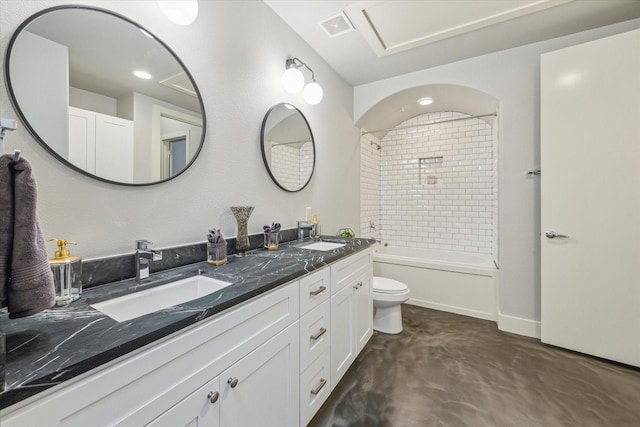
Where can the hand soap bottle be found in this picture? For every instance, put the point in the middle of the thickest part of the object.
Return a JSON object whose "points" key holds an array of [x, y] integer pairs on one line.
{"points": [[67, 273]]}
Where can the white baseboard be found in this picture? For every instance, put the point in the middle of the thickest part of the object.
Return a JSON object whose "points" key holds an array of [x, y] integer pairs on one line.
{"points": [[451, 309], [514, 325], [518, 325]]}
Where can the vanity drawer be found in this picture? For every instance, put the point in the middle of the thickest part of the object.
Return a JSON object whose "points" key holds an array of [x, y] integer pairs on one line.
{"points": [[314, 289], [347, 270], [315, 387], [314, 334]]}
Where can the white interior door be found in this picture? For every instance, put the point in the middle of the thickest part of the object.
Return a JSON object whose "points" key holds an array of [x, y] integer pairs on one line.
{"points": [[590, 161]]}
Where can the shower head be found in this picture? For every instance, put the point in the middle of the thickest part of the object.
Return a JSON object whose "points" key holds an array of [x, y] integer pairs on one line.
{"points": [[378, 147]]}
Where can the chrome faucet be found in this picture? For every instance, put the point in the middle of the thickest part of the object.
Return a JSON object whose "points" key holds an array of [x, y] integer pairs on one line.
{"points": [[306, 225], [144, 255]]}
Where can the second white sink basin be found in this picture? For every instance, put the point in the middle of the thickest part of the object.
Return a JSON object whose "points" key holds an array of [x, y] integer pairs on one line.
{"points": [[323, 246], [144, 302]]}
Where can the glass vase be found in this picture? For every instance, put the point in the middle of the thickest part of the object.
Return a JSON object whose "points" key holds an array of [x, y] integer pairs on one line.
{"points": [[242, 214]]}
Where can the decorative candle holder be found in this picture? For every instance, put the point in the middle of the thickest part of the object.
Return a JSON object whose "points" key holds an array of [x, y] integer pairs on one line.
{"points": [[271, 240], [242, 214], [217, 253]]}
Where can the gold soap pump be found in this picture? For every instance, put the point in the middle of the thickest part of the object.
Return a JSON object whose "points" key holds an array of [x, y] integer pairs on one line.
{"points": [[67, 273]]}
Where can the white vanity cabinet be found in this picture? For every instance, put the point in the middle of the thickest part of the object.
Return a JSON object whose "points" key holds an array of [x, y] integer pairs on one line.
{"points": [[351, 311], [315, 340], [201, 408], [270, 361], [169, 382]]}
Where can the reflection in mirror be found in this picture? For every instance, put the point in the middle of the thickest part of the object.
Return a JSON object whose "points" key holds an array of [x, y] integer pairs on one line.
{"points": [[288, 148], [99, 117]]}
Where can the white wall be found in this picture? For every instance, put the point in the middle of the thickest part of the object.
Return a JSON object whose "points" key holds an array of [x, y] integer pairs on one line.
{"points": [[513, 77], [236, 52], [43, 76]]}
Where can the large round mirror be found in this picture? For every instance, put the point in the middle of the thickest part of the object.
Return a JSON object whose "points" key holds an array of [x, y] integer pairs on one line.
{"points": [[288, 149], [104, 96]]}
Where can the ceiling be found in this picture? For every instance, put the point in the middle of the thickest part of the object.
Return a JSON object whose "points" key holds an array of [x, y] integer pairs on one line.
{"points": [[396, 37]]}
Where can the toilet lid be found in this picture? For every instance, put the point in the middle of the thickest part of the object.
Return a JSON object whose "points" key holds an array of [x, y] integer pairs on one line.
{"points": [[384, 285]]}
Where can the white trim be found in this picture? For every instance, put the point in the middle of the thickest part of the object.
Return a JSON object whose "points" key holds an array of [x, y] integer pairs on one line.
{"points": [[451, 309], [519, 325]]}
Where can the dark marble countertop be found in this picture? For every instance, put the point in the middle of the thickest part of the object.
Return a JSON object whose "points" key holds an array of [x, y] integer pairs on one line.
{"points": [[59, 344]]}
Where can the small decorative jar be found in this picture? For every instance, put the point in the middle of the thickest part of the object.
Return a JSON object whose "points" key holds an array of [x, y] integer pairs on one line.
{"points": [[217, 253], [271, 240]]}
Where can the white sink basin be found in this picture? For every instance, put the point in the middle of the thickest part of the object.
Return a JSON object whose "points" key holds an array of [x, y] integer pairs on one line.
{"points": [[322, 246], [144, 302]]}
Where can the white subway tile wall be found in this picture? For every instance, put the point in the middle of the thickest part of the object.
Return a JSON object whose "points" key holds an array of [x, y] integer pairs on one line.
{"points": [[369, 187], [285, 166], [292, 164], [459, 211]]}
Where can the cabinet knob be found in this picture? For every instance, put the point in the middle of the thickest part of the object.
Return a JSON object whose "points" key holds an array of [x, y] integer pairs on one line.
{"points": [[213, 396], [233, 382]]}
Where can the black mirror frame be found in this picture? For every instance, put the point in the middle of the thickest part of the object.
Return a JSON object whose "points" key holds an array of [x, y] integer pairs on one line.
{"points": [[34, 134], [264, 156]]}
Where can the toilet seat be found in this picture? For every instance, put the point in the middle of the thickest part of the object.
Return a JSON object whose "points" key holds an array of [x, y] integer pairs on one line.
{"points": [[383, 285]]}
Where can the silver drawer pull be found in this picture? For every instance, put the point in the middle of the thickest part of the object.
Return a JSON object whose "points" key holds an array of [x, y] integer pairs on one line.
{"points": [[316, 390], [318, 291], [213, 396], [233, 382], [318, 334]]}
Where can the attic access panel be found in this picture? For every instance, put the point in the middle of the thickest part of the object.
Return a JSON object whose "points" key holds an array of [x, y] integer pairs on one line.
{"points": [[394, 26]]}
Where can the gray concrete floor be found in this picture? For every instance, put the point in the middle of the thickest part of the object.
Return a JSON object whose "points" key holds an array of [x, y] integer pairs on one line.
{"points": [[450, 370]]}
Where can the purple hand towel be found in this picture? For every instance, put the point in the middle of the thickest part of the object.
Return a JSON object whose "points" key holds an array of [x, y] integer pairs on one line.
{"points": [[31, 287], [6, 225]]}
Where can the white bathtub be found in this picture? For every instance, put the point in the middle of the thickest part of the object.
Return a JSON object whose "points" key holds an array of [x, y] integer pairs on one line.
{"points": [[456, 282]]}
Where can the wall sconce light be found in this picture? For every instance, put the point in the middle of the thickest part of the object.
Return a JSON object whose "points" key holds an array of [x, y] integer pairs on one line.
{"points": [[293, 81], [181, 12]]}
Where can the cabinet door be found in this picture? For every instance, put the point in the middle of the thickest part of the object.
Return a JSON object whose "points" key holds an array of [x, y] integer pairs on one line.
{"points": [[114, 148], [262, 389], [200, 409], [363, 300], [82, 139], [343, 351]]}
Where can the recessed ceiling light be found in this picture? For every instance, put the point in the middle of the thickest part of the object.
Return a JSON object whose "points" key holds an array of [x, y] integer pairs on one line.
{"points": [[142, 74], [425, 101]]}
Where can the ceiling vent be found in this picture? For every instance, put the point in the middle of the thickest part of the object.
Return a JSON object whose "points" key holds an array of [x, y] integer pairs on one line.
{"points": [[337, 25]]}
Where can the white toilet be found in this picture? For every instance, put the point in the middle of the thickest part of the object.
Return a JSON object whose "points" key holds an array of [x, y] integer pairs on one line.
{"points": [[388, 294]]}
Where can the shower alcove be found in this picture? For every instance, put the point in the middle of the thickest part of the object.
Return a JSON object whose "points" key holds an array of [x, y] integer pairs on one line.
{"points": [[429, 184]]}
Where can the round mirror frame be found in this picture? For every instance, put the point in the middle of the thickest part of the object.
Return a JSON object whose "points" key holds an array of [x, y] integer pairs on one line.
{"points": [[264, 156], [36, 136]]}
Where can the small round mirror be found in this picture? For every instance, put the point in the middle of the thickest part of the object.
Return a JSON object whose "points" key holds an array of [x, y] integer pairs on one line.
{"points": [[288, 149]]}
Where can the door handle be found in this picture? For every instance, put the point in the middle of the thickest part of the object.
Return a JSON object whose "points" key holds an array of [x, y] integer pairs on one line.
{"points": [[550, 234]]}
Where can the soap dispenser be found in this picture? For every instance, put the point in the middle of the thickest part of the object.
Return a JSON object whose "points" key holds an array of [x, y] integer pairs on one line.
{"points": [[67, 273], [316, 226]]}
